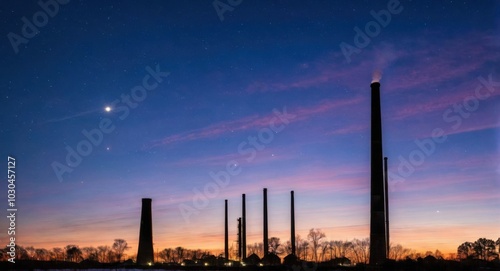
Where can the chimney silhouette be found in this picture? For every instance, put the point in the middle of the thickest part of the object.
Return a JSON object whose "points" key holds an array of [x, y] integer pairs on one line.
{"points": [[226, 234], [292, 222], [239, 238], [378, 238], [243, 228], [386, 186], [145, 252], [266, 239]]}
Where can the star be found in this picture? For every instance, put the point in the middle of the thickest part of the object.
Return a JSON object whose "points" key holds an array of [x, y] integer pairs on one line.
{"points": [[107, 108]]}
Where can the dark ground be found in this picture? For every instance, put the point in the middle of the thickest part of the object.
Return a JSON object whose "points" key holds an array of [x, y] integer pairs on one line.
{"points": [[409, 265]]}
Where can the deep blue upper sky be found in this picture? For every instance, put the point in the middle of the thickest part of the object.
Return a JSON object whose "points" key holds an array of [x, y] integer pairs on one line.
{"points": [[226, 78]]}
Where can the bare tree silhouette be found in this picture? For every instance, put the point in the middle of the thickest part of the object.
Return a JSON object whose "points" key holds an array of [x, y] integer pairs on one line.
{"points": [[274, 245], [167, 255], [30, 251], [104, 254], [179, 253], [73, 253], [324, 246], [485, 249], [305, 249], [298, 246], [315, 248], [119, 247], [336, 249], [256, 248], [41, 254], [315, 236], [361, 250], [90, 253], [465, 250], [287, 247], [58, 253]]}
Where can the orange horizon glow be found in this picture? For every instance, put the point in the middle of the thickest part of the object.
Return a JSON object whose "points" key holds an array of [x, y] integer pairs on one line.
{"points": [[415, 238]]}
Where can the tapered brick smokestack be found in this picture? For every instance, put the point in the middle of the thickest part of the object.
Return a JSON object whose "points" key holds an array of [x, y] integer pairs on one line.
{"points": [[226, 234], [292, 222], [243, 228], [378, 247], [145, 253], [266, 240]]}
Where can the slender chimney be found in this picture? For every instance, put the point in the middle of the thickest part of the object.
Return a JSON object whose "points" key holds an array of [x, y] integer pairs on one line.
{"points": [[243, 228], [377, 203], [292, 222], [266, 239], [239, 238], [386, 186], [226, 234], [145, 252]]}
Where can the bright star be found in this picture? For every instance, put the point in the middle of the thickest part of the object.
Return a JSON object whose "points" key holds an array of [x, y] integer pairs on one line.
{"points": [[107, 108]]}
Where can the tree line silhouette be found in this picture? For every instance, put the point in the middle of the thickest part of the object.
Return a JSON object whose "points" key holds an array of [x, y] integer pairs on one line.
{"points": [[72, 253], [315, 248], [482, 249]]}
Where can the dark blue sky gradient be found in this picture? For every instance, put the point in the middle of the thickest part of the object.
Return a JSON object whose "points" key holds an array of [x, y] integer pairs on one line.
{"points": [[226, 78]]}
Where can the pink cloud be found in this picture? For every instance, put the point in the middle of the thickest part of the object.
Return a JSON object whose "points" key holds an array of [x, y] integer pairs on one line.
{"points": [[436, 64], [456, 60], [419, 182], [351, 179], [322, 72], [263, 157], [478, 120], [480, 124], [445, 98], [476, 162], [355, 128], [452, 60], [256, 122], [304, 113]]}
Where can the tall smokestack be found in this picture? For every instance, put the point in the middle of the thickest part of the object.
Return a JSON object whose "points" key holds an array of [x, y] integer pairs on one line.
{"points": [[266, 240], [292, 222], [239, 237], [386, 186], [243, 228], [377, 205], [226, 234], [145, 254]]}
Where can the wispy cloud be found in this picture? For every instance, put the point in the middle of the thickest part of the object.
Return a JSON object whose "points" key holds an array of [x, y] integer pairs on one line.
{"points": [[407, 68], [449, 177], [350, 179], [350, 129], [457, 59], [254, 122], [264, 156], [69, 117]]}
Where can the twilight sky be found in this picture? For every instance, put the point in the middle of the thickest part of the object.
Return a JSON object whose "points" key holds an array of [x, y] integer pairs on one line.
{"points": [[270, 93]]}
